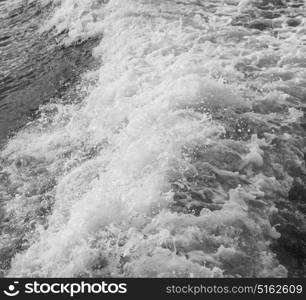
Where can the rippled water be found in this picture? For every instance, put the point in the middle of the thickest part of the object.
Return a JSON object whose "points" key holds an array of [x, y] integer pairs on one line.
{"points": [[35, 66], [181, 152]]}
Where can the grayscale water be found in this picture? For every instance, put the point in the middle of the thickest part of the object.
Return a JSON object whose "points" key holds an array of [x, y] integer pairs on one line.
{"points": [[147, 138]]}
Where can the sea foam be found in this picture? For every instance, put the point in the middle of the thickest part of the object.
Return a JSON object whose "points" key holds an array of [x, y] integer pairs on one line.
{"points": [[151, 175]]}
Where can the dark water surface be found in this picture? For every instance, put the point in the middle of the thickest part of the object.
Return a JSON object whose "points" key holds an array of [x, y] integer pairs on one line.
{"points": [[34, 67]]}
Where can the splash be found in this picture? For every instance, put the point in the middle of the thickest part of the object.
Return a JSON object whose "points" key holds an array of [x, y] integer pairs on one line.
{"points": [[175, 162]]}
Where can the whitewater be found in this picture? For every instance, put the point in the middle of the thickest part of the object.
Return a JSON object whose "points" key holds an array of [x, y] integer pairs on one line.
{"points": [[182, 156]]}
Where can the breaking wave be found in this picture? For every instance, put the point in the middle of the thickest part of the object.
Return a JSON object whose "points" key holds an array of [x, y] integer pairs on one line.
{"points": [[185, 157]]}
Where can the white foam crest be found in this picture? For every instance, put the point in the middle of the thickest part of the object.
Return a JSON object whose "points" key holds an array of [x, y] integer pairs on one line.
{"points": [[115, 157]]}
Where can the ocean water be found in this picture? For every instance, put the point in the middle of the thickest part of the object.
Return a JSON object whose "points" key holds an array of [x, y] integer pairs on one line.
{"points": [[35, 65], [176, 150]]}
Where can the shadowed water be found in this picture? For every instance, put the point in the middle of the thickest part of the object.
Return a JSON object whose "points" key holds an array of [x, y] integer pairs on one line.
{"points": [[34, 66]]}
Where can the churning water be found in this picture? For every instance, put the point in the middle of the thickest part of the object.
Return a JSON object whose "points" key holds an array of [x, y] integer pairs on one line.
{"points": [[177, 149]]}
